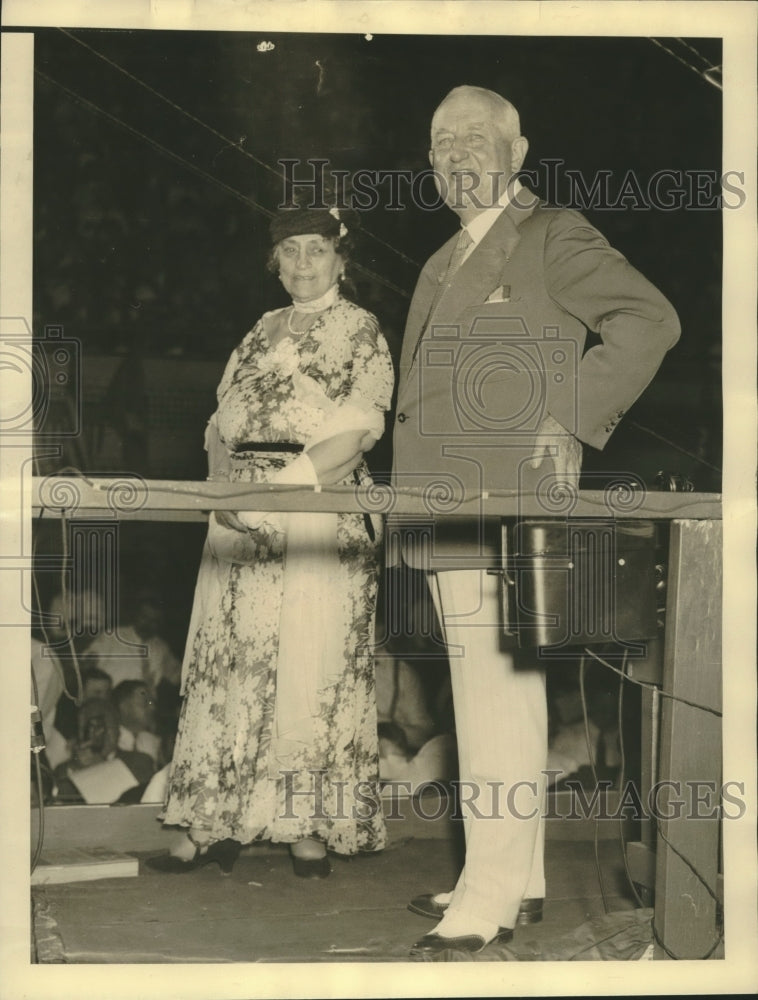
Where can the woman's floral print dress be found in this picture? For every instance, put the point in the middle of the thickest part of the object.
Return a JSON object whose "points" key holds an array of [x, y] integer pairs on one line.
{"points": [[219, 775]]}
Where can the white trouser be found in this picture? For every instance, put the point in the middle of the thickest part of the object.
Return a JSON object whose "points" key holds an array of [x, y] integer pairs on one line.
{"points": [[501, 726]]}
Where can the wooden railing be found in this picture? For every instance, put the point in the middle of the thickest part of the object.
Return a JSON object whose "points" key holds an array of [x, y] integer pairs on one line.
{"points": [[132, 497]]}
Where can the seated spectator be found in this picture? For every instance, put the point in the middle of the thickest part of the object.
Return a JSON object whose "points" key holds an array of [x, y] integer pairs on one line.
{"points": [[136, 715], [401, 699], [99, 771], [81, 619], [53, 669], [95, 684], [119, 654], [404, 772]]}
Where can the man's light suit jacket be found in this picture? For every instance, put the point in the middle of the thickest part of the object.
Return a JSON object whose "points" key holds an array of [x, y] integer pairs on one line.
{"points": [[487, 354]]}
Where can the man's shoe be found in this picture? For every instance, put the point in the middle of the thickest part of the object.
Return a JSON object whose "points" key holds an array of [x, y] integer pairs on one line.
{"points": [[530, 911], [430, 946]]}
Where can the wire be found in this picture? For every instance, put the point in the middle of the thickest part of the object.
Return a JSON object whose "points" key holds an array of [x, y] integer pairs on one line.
{"points": [[595, 944], [680, 958], [655, 687], [622, 776], [167, 100], [685, 44], [230, 143], [245, 199], [709, 67], [687, 862], [675, 446], [705, 76], [41, 811], [591, 752], [658, 940], [155, 144], [65, 609], [40, 794]]}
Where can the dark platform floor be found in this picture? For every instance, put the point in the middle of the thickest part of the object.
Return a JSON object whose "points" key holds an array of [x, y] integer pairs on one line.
{"points": [[263, 913]]}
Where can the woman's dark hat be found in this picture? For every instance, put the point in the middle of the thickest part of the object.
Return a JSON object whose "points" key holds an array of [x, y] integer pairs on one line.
{"points": [[299, 221]]}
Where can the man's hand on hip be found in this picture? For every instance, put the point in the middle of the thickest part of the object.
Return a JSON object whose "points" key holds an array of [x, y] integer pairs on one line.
{"points": [[554, 441]]}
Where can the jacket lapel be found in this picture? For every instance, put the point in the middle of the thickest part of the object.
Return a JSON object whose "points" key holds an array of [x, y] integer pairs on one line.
{"points": [[427, 287], [473, 282], [481, 271]]}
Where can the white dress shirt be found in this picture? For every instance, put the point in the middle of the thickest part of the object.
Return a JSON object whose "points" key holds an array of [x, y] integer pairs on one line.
{"points": [[482, 223]]}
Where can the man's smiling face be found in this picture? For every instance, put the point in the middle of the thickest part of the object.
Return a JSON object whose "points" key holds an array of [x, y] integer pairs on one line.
{"points": [[471, 153]]}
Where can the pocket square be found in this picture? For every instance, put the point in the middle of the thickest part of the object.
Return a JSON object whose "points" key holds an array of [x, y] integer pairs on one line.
{"points": [[501, 294]]}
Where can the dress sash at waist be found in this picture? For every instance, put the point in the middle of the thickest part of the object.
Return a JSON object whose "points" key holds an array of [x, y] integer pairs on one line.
{"points": [[271, 446]]}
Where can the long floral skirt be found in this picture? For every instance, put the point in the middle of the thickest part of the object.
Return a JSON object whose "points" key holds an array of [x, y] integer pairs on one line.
{"points": [[219, 779]]}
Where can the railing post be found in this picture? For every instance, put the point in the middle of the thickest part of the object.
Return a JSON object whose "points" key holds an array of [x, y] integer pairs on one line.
{"points": [[690, 758]]}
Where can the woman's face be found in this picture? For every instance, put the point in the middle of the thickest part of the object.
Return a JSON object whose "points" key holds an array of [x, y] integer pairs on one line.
{"points": [[308, 266]]}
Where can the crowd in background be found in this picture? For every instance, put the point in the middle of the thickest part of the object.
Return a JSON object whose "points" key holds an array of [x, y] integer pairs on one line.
{"points": [[108, 697], [110, 738]]}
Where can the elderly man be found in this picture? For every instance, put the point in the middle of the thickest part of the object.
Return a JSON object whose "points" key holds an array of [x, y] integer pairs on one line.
{"points": [[496, 392]]}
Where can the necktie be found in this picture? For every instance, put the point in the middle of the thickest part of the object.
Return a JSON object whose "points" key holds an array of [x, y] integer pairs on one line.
{"points": [[459, 252], [456, 259]]}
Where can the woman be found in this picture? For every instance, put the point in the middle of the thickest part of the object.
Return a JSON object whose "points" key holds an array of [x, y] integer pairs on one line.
{"points": [[277, 736]]}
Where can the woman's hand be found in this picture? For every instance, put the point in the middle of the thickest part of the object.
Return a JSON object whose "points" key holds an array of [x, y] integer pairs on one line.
{"points": [[228, 519], [219, 467]]}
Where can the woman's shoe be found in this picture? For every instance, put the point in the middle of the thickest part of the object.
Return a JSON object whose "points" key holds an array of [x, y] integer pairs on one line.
{"points": [[311, 867], [223, 852]]}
